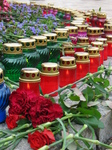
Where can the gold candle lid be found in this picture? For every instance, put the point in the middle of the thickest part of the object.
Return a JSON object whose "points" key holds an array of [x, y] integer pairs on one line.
{"points": [[101, 15], [49, 68], [76, 23], [67, 62], [72, 29], [27, 43], [62, 29], [29, 75], [82, 28], [79, 19], [104, 40], [94, 13], [82, 57], [51, 36], [98, 44], [83, 41], [12, 48], [1, 76], [109, 38], [93, 51], [102, 30], [61, 34], [107, 27], [93, 31], [68, 48], [40, 40]]}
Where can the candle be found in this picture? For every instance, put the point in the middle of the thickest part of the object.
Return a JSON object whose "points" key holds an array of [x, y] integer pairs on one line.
{"points": [[67, 15], [87, 15], [83, 64], [108, 29], [105, 46], [4, 97], [109, 48], [41, 48], [53, 46], [29, 80], [82, 30], [67, 69], [29, 51], [73, 32], [93, 33], [49, 78], [62, 35], [101, 19], [94, 19], [94, 57], [67, 50], [101, 50], [82, 41], [13, 60]]}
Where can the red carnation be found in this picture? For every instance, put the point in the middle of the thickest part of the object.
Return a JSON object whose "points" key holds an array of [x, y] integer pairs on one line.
{"points": [[39, 139]]}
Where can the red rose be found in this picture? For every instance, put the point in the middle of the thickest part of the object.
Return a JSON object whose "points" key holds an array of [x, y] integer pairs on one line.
{"points": [[36, 140], [12, 121], [39, 139], [50, 136]]}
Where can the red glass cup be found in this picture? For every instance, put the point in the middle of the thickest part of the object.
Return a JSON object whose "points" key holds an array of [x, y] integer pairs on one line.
{"points": [[29, 80], [67, 69], [49, 78], [83, 64], [101, 19], [94, 21], [109, 48]]}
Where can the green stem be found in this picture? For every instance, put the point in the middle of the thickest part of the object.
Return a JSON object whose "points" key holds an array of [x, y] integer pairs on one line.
{"points": [[12, 82], [21, 127], [82, 129], [11, 85]]}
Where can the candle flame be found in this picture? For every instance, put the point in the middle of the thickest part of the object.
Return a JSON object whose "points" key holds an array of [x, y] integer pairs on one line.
{"points": [[67, 72], [91, 60], [28, 86], [80, 66]]}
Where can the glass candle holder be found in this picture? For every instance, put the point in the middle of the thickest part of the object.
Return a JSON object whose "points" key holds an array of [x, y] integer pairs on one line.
{"points": [[82, 30], [94, 57], [4, 97], [50, 10], [49, 78], [29, 51], [93, 33], [105, 46], [29, 80], [94, 19], [73, 33], [13, 60], [83, 64], [67, 15], [53, 47], [41, 48], [55, 11], [109, 48], [108, 29], [67, 50], [102, 33], [87, 16], [82, 41], [62, 35], [101, 19], [101, 50], [67, 71]]}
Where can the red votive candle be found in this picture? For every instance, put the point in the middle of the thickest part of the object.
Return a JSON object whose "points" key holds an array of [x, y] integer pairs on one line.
{"points": [[82, 41], [109, 48], [67, 50], [29, 80], [73, 32], [94, 57], [101, 50], [108, 29], [67, 69], [49, 78], [94, 19], [83, 64], [93, 33], [105, 46], [101, 19], [82, 30], [62, 35]]}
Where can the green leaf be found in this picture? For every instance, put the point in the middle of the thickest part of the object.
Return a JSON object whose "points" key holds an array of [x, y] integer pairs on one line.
{"points": [[88, 91], [73, 97], [40, 90], [92, 121], [90, 111], [100, 9], [16, 143], [104, 82], [22, 122]]}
